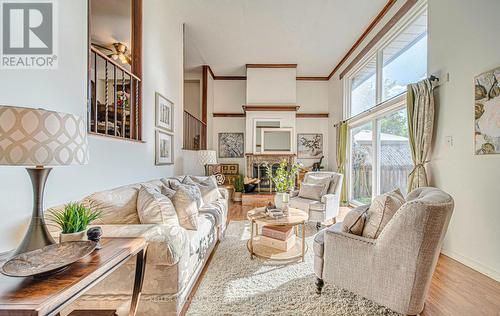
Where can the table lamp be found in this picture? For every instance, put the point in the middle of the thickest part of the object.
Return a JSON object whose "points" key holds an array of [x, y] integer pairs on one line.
{"points": [[38, 138], [207, 157]]}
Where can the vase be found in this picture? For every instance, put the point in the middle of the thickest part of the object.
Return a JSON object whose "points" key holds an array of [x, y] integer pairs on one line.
{"points": [[281, 198], [72, 236]]}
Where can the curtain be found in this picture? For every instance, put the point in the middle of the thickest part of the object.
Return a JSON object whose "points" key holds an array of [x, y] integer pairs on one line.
{"points": [[420, 108], [341, 158]]}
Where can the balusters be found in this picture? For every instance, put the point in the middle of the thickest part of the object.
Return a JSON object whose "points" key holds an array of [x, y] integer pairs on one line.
{"points": [[128, 124], [106, 99], [136, 109]]}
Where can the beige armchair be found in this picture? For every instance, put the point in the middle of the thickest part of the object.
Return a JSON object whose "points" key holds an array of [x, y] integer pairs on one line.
{"points": [[394, 270], [328, 206]]}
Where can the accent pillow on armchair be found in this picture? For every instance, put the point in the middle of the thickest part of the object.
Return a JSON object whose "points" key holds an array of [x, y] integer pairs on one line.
{"points": [[381, 211]]}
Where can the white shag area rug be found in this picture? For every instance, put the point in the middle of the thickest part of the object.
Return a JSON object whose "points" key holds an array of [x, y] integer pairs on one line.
{"points": [[235, 285]]}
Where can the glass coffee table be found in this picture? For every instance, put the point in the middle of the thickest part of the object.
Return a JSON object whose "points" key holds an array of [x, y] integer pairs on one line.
{"points": [[295, 218]]}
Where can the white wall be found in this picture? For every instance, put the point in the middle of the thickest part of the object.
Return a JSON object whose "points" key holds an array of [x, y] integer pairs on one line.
{"points": [[271, 86], [462, 43], [312, 96], [112, 162]]}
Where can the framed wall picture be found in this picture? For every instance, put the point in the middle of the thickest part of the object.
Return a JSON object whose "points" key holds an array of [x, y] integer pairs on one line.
{"points": [[230, 168], [309, 146], [164, 113], [164, 148], [231, 145], [487, 113]]}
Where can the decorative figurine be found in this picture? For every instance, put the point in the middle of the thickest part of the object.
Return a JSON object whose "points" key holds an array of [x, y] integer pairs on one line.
{"points": [[94, 234]]}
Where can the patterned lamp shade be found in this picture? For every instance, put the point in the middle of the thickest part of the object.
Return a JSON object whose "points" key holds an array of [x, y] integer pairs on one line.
{"points": [[207, 157], [36, 137]]}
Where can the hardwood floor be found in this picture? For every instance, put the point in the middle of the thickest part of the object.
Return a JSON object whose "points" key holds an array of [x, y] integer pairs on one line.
{"points": [[456, 289]]}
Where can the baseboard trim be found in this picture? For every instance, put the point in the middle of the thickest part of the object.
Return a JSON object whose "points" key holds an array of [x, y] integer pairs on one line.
{"points": [[473, 264]]}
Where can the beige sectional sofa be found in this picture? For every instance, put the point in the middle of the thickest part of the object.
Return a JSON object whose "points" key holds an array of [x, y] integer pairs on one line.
{"points": [[175, 256]]}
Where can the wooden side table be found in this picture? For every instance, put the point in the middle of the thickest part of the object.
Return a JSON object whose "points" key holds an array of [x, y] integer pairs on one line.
{"points": [[49, 295]]}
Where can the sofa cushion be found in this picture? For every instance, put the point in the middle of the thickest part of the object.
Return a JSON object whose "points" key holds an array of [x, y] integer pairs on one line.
{"points": [[312, 191], [117, 206], [381, 211], [354, 222], [208, 188], [154, 207], [186, 201]]}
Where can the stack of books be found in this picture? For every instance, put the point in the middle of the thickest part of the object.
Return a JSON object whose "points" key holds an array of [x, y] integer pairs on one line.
{"points": [[278, 237]]}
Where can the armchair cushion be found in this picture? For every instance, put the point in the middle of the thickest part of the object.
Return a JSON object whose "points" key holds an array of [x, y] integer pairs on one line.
{"points": [[381, 211], [154, 207], [312, 191], [354, 221], [306, 204]]}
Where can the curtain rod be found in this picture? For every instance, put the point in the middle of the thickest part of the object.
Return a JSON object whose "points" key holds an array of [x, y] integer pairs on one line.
{"points": [[431, 78]]}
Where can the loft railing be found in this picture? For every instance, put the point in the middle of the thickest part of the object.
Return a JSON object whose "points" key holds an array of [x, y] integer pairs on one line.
{"points": [[114, 98], [195, 133]]}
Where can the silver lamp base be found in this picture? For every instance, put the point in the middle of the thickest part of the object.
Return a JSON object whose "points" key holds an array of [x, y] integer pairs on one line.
{"points": [[37, 235]]}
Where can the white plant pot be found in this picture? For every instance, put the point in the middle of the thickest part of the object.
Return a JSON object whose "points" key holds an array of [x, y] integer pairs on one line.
{"points": [[72, 236], [281, 198]]}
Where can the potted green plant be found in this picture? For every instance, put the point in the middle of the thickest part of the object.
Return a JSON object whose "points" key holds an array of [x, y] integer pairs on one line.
{"points": [[238, 188], [73, 221], [284, 181]]}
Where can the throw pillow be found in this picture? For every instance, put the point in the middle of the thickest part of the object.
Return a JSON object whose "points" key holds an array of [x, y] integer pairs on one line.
{"points": [[312, 191], [354, 221], [186, 201], [324, 180], [208, 187], [154, 207], [168, 192], [381, 211], [194, 190]]}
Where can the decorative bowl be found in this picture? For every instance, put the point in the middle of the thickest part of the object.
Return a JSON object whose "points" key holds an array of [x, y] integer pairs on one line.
{"points": [[47, 260]]}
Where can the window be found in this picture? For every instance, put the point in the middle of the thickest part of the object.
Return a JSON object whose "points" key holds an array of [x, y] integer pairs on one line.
{"points": [[405, 59], [379, 156], [363, 88], [401, 60], [361, 163]]}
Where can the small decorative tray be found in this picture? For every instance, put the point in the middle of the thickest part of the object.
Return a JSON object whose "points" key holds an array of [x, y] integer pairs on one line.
{"points": [[48, 259]]}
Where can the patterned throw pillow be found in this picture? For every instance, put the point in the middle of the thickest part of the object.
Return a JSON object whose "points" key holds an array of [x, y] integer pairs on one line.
{"points": [[168, 192], [381, 211], [195, 191], [187, 202], [354, 221], [154, 207], [312, 191], [208, 187]]}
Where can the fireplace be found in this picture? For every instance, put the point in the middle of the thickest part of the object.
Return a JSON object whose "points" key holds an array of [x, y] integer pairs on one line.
{"points": [[256, 168], [260, 172]]}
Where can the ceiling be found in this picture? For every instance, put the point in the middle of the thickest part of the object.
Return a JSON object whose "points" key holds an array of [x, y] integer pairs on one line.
{"points": [[111, 21], [315, 34]]}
